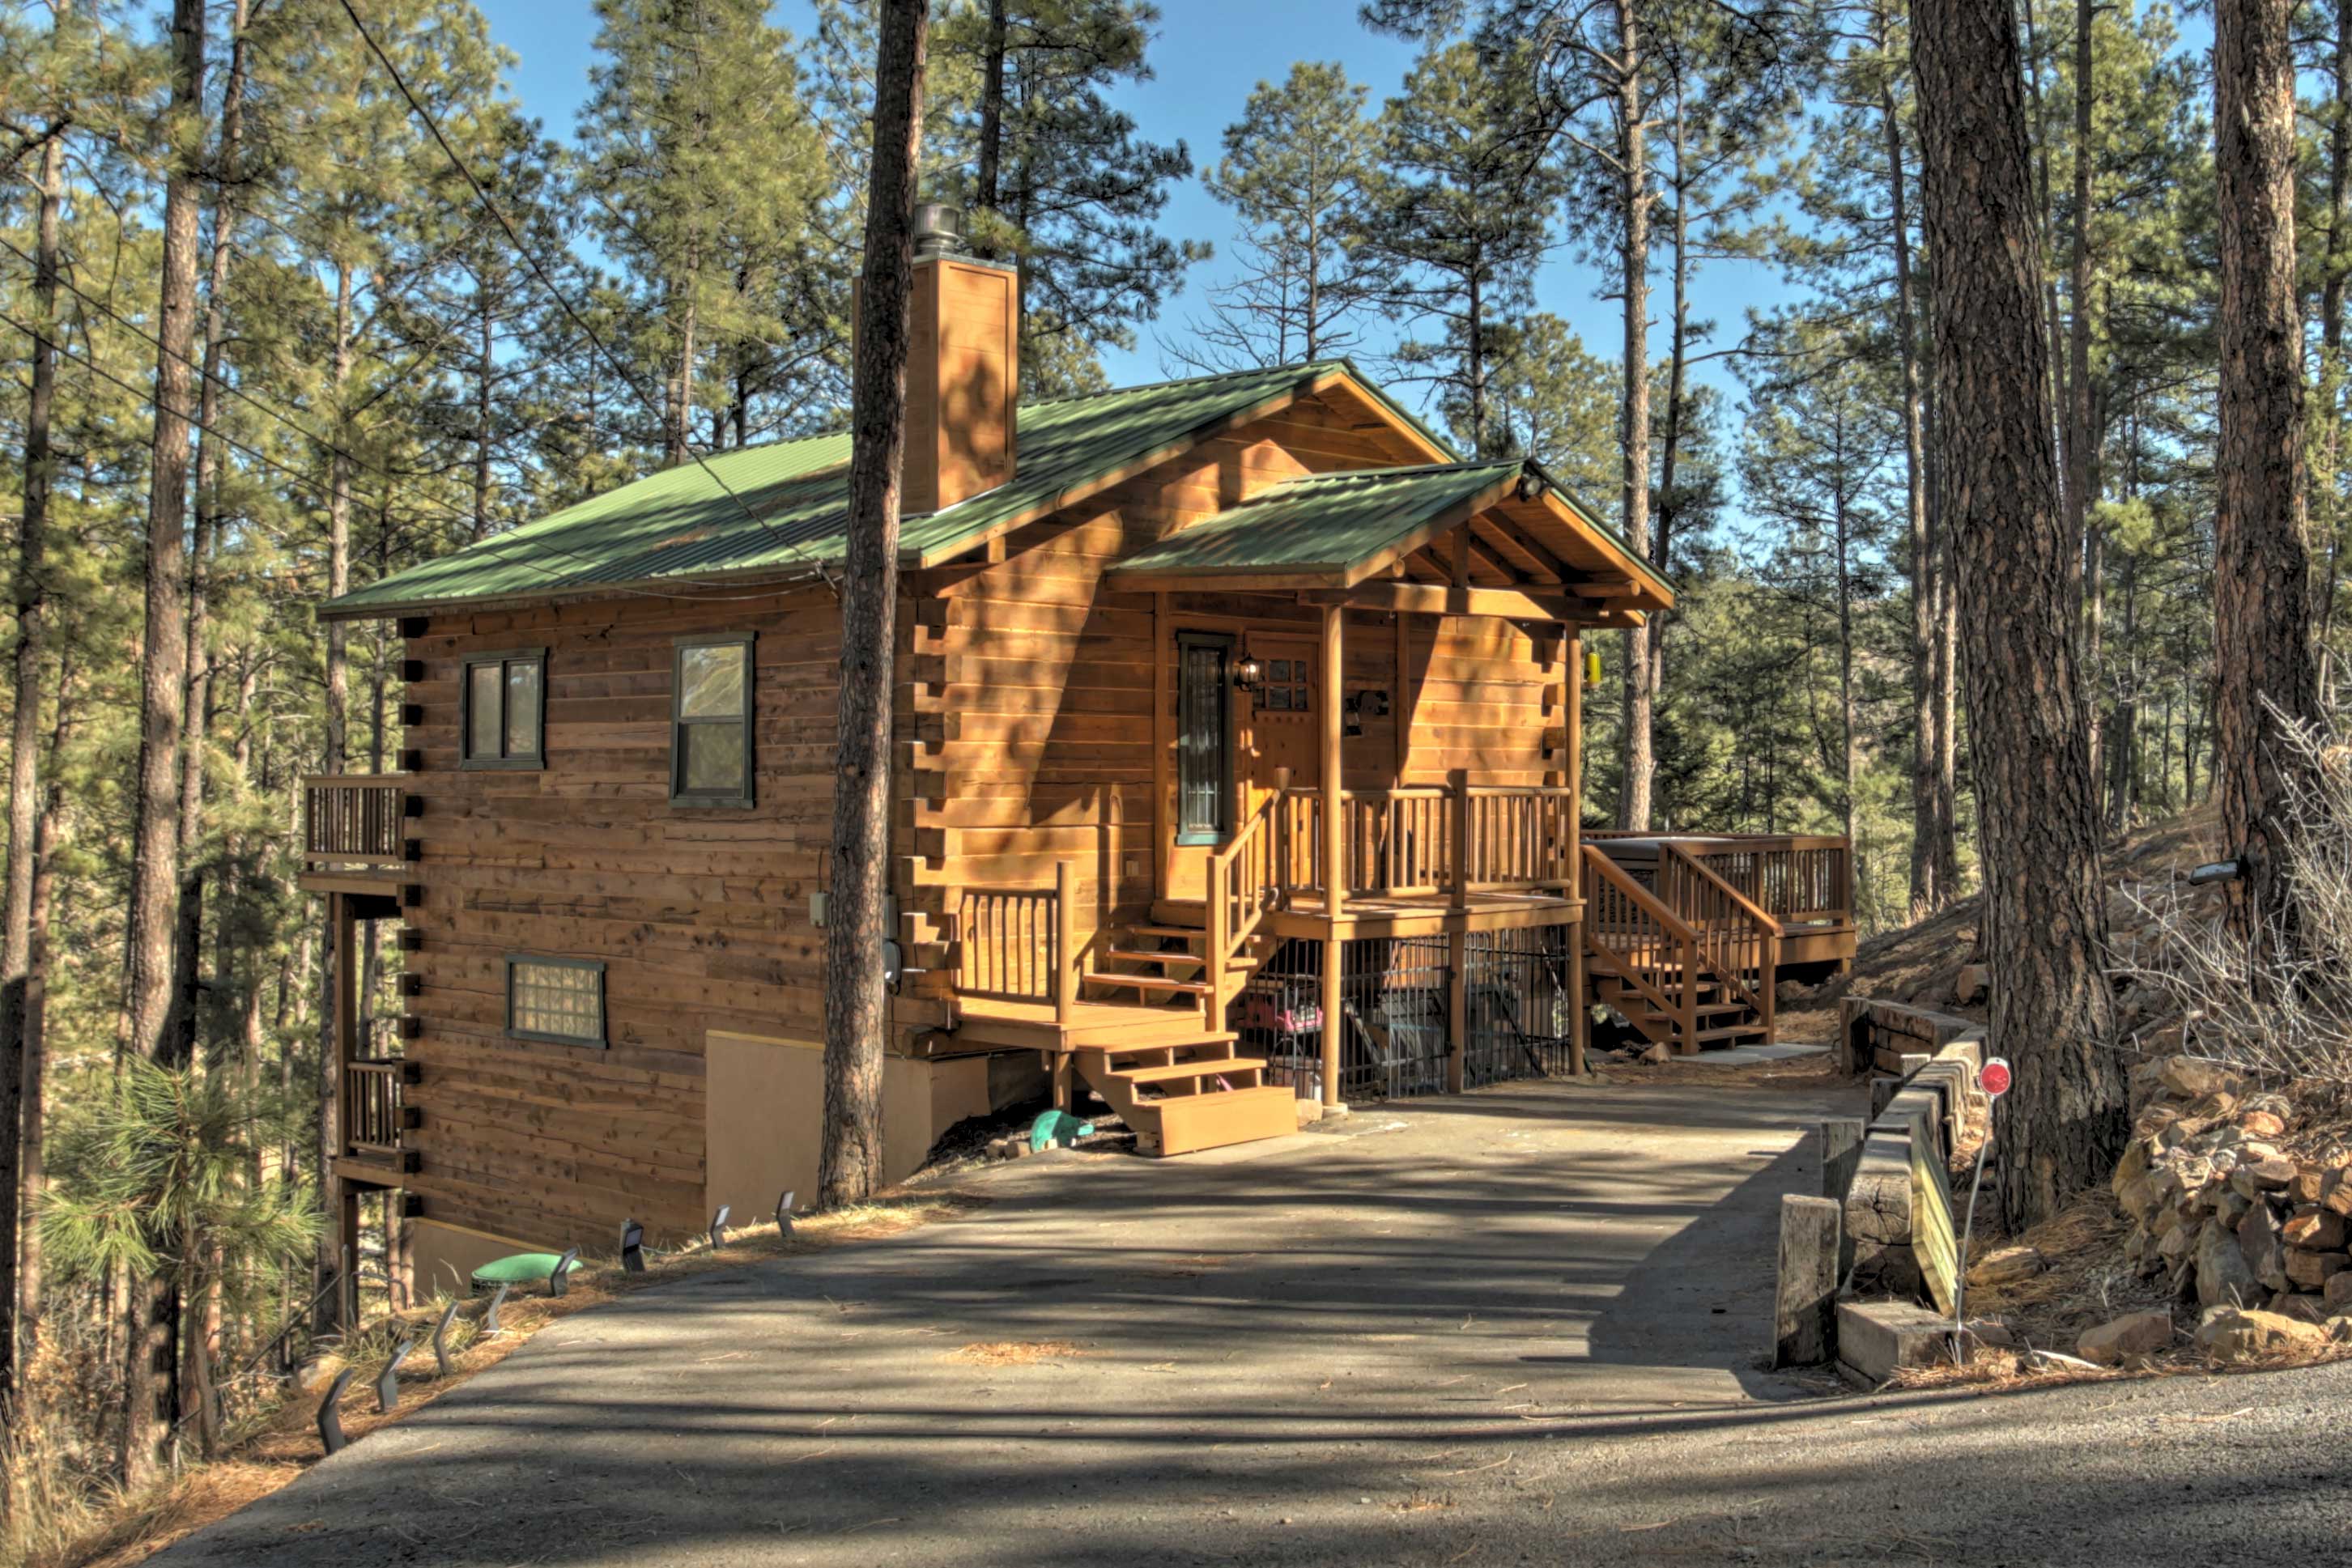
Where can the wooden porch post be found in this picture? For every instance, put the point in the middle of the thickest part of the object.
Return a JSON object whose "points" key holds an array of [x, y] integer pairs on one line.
{"points": [[1065, 931], [1163, 749], [1457, 938], [1335, 845], [1571, 752], [342, 1198]]}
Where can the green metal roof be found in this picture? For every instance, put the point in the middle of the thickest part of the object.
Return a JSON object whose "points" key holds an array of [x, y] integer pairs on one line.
{"points": [[1323, 522], [682, 526]]}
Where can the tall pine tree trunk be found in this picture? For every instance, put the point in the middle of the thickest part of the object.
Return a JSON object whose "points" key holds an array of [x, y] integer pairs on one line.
{"points": [[155, 865], [188, 939], [17, 977], [32, 1178], [1634, 175], [1927, 893], [856, 1008], [2261, 566], [2044, 923]]}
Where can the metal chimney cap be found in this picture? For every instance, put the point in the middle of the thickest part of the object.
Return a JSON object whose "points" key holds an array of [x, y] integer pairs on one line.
{"points": [[939, 229]]}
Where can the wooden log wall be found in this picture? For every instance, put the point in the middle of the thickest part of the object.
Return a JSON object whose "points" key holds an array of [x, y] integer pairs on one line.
{"points": [[701, 915]]}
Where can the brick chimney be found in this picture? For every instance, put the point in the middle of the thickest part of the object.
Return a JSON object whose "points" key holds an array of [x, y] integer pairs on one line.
{"points": [[964, 369]]}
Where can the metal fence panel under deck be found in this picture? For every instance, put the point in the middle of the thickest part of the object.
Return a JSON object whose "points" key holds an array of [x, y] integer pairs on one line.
{"points": [[1394, 995]]}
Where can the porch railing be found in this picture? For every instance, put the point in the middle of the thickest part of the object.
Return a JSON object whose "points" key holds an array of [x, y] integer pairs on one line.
{"points": [[356, 818], [1433, 839], [374, 1111], [1633, 934], [1016, 944]]}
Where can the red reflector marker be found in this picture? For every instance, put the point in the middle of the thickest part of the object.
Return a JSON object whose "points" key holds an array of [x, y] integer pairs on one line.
{"points": [[1993, 1078]]}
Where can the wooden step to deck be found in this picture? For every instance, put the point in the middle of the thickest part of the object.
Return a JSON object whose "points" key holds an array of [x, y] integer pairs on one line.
{"points": [[1174, 933], [1159, 984], [1171, 956], [1208, 1067]]}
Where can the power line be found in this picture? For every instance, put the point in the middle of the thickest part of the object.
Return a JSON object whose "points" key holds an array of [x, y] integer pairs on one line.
{"points": [[311, 483], [393, 484], [532, 261]]}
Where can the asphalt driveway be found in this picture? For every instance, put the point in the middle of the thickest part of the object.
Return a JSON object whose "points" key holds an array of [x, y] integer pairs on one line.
{"points": [[1521, 1325]]}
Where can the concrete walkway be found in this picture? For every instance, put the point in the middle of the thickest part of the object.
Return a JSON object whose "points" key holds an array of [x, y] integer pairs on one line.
{"points": [[1516, 1326]]}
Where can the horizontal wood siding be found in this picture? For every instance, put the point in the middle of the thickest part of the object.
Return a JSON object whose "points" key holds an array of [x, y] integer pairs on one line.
{"points": [[700, 913]]}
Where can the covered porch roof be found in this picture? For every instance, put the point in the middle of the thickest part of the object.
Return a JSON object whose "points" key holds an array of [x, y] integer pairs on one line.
{"points": [[1452, 539]]}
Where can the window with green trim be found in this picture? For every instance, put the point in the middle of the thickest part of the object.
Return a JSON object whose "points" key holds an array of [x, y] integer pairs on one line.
{"points": [[558, 999], [503, 704], [711, 722], [1203, 738]]}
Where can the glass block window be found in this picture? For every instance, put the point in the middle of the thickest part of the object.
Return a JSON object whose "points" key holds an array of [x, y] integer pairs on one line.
{"points": [[1203, 738], [505, 701], [560, 999], [710, 733]]}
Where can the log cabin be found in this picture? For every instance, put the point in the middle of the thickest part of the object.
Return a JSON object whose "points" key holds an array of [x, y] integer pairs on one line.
{"points": [[1235, 775]]}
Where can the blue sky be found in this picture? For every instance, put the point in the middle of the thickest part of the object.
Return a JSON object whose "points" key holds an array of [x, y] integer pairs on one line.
{"points": [[1205, 69]]}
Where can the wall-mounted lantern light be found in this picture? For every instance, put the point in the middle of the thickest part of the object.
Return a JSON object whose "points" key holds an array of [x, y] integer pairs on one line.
{"points": [[1248, 673]]}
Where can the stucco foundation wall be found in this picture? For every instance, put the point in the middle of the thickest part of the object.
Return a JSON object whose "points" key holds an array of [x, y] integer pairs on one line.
{"points": [[443, 1257], [765, 1103]]}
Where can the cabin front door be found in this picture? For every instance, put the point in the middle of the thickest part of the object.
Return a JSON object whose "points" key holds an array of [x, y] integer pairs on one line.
{"points": [[1284, 729]]}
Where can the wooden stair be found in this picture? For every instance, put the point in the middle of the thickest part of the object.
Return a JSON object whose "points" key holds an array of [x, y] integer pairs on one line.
{"points": [[1724, 1021], [1180, 1098]]}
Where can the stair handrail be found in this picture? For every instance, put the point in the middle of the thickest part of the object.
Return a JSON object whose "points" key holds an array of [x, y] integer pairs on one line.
{"points": [[1686, 1012], [1241, 885], [1768, 932]]}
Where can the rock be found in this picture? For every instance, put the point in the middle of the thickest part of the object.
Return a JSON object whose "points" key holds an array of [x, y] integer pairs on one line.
{"points": [[2192, 1078], [2310, 1271], [2229, 1204], [2315, 1228], [2154, 1119], [2177, 1243], [2310, 1181], [2256, 1177], [2240, 1338], [1972, 983], [2335, 1195], [2303, 1308], [2212, 1108], [2336, 1294], [2339, 1329], [2138, 1159], [2126, 1339], [1656, 1056], [2251, 1150], [2261, 1124], [2007, 1266], [2258, 1243], [1991, 1333], [2222, 1278]]}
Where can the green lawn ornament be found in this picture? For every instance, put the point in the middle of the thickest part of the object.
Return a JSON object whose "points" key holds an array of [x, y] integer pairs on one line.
{"points": [[522, 1267], [1053, 1127]]}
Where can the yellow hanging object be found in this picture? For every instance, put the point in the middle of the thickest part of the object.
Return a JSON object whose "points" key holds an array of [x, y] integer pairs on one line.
{"points": [[1591, 669]]}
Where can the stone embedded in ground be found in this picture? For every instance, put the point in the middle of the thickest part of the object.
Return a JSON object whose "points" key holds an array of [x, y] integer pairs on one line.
{"points": [[2121, 1340], [2301, 1309], [2261, 1124], [2338, 1293], [2194, 1080], [2315, 1228], [2310, 1181], [1971, 983], [2222, 1278], [1657, 1055], [2309, 1271], [2239, 1338], [2007, 1266]]}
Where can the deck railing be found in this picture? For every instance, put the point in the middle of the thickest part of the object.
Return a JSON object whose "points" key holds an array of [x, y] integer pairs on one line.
{"points": [[1795, 878], [1433, 839], [1630, 933], [355, 818], [373, 1113], [1014, 944]]}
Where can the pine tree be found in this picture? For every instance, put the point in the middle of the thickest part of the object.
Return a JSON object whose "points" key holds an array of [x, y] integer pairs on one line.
{"points": [[1295, 172]]}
